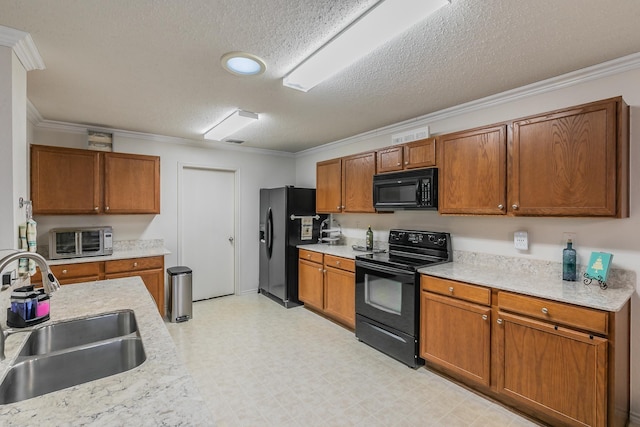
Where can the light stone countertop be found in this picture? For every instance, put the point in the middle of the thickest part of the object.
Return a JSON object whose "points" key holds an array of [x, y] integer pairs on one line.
{"points": [[509, 276], [117, 254], [158, 392], [344, 251]]}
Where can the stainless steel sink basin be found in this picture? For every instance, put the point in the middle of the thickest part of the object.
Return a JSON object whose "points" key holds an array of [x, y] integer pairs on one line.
{"points": [[38, 375], [76, 332], [73, 352]]}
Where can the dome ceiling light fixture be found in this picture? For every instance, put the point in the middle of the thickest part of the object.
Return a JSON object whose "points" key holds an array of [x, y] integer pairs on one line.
{"points": [[243, 64]]}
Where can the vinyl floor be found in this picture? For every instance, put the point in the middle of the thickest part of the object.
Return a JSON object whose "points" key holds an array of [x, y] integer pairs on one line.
{"points": [[259, 364]]}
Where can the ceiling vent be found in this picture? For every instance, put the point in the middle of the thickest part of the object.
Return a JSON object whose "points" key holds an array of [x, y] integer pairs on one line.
{"points": [[234, 141], [100, 141]]}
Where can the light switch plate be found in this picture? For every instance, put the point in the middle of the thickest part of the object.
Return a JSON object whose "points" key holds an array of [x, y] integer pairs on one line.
{"points": [[521, 240]]}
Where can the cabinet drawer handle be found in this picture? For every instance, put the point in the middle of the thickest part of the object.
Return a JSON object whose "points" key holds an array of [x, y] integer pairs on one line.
{"points": [[95, 209], [514, 207], [337, 262], [500, 207], [499, 321], [451, 289], [135, 264], [308, 255], [64, 271], [485, 317], [544, 310], [106, 208], [398, 164]]}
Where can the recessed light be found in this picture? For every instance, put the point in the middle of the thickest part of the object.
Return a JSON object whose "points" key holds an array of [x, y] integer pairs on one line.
{"points": [[243, 64]]}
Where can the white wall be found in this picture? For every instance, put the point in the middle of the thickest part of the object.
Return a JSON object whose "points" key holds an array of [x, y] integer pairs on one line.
{"points": [[255, 170], [495, 234]]}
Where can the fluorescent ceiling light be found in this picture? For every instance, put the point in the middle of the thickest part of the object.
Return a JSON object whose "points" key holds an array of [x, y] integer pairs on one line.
{"points": [[232, 124], [380, 24], [242, 63]]}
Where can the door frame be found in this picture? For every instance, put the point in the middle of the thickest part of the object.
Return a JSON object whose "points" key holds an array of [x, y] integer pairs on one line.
{"points": [[236, 213]]}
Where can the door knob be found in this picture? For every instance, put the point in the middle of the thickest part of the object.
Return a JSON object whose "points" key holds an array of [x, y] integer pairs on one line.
{"points": [[230, 239]]}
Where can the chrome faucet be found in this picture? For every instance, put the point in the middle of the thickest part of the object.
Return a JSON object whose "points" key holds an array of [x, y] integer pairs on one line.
{"points": [[49, 282]]}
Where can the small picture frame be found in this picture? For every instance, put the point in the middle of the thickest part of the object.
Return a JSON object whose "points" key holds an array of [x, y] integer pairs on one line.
{"points": [[598, 267]]}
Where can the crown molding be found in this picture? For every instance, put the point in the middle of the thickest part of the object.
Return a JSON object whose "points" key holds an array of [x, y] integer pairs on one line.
{"points": [[598, 71], [83, 129], [33, 115], [24, 47]]}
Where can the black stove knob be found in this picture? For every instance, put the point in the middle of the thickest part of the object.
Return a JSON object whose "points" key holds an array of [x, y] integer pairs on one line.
{"points": [[432, 238], [441, 241]]}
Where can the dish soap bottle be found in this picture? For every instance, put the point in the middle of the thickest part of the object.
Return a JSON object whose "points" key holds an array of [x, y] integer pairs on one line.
{"points": [[569, 262], [369, 240]]}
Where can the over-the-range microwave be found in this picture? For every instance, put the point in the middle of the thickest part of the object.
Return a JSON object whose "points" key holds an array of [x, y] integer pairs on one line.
{"points": [[415, 189], [80, 242]]}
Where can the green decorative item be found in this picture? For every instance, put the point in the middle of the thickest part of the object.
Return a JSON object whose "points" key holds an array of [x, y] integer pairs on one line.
{"points": [[598, 268]]}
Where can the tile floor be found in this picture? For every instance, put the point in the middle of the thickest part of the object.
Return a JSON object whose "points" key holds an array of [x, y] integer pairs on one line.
{"points": [[258, 364]]}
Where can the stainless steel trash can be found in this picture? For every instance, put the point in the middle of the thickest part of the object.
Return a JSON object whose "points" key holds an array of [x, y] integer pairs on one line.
{"points": [[180, 300]]}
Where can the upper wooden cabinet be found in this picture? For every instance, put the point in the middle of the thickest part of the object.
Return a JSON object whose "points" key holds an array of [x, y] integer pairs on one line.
{"points": [[571, 162], [472, 171], [73, 181], [357, 182], [346, 184], [329, 186], [416, 154]]}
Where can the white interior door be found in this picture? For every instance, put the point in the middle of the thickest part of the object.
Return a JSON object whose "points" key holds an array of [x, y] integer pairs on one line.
{"points": [[208, 231]]}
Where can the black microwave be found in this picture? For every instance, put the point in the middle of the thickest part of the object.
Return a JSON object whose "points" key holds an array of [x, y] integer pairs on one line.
{"points": [[416, 189]]}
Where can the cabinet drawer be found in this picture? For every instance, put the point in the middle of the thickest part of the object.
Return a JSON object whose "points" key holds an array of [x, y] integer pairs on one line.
{"points": [[580, 317], [339, 262], [134, 264], [65, 271], [310, 255], [454, 289]]}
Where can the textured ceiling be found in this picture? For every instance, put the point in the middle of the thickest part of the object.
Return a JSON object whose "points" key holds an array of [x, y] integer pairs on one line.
{"points": [[153, 66]]}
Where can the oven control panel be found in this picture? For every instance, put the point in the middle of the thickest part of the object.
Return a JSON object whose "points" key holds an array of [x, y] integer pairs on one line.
{"points": [[425, 239]]}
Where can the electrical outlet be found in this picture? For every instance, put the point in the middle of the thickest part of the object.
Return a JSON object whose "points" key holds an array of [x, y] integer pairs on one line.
{"points": [[521, 240]]}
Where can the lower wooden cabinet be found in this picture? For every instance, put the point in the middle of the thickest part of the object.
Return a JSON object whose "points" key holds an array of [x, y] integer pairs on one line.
{"points": [[150, 269], [560, 363], [326, 283]]}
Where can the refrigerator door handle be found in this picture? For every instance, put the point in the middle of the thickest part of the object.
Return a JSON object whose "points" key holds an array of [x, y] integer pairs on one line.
{"points": [[269, 232]]}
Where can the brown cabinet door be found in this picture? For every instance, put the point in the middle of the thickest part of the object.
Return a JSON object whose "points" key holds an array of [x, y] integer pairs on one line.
{"points": [[564, 163], [357, 182], [339, 296], [132, 184], [65, 180], [420, 154], [153, 280], [472, 172], [311, 284], [329, 186], [390, 159], [456, 335], [557, 371]]}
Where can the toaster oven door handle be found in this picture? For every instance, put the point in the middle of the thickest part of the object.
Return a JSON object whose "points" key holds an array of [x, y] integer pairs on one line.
{"points": [[78, 242]]}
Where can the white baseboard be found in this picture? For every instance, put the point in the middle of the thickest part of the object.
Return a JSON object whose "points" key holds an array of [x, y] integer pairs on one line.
{"points": [[634, 420]]}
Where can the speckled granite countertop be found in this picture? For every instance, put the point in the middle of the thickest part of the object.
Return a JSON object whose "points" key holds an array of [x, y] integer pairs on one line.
{"points": [[536, 278], [122, 249], [158, 392]]}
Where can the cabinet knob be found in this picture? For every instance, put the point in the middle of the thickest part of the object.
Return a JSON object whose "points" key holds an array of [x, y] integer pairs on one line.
{"points": [[337, 262], [320, 270], [485, 317], [106, 208], [406, 163], [500, 207], [451, 289], [499, 321], [64, 271], [337, 207], [398, 164], [308, 255], [544, 310], [95, 209], [514, 207], [135, 264]]}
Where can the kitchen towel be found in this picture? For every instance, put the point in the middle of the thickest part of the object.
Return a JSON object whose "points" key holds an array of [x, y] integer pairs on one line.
{"points": [[32, 244], [23, 263]]}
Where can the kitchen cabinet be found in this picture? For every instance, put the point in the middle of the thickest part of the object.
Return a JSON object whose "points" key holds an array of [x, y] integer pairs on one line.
{"points": [[346, 184], [455, 334], [326, 283], [74, 181], [329, 186], [560, 363], [416, 154], [472, 172], [150, 269], [570, 162]]}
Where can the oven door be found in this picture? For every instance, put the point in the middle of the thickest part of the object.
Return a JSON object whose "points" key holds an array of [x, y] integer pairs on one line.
{"points": [[91, 242], [387, 295]]}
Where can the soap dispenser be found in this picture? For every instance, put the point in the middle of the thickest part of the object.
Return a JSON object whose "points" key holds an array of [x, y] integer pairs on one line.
{"points": [[569, 262]]}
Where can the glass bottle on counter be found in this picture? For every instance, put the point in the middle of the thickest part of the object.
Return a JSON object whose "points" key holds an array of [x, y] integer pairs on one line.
{"points": [[369, 240], [569, 262]]}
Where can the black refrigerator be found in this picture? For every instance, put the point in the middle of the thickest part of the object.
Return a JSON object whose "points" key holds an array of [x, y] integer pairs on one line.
{"points": [[287, 219]]}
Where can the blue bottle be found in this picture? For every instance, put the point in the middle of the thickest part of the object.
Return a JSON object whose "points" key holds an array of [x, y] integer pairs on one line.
{"points": [[569, 262]]}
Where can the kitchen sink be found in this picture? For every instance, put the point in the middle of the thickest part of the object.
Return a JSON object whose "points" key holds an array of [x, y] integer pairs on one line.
{"points": [[38, 375], [77, 332], [73, 352]]}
